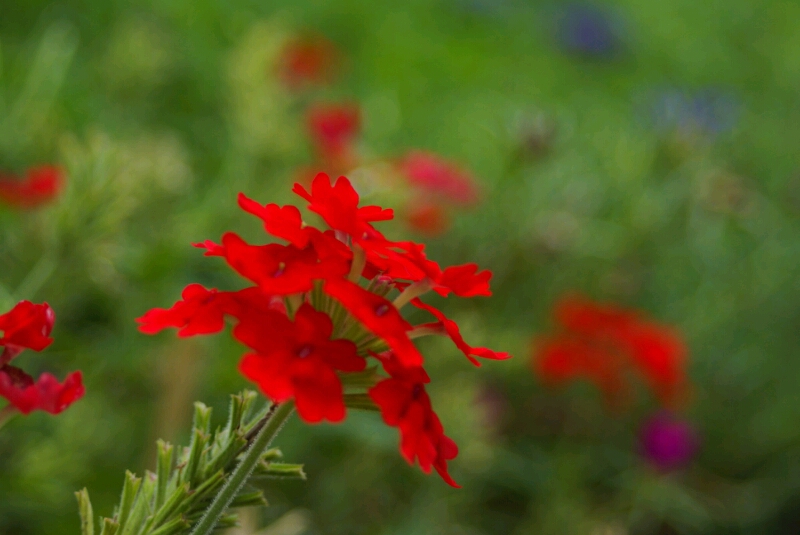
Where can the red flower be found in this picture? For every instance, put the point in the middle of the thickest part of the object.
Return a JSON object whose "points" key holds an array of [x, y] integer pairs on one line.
{"points": [[405, 404], [280, 269], [437, 176], [307, 61], [298, 360], [378, 315], [282, 222], [46, 394], [452, 330], [563, 358], [292, 355], [338, 206], [40, 186], [27, 325], [660, 355], [333, 128], [602, 342], [593, 319]]}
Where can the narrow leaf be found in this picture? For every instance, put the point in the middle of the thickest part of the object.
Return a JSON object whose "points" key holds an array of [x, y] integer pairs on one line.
{"points": [[129, 491], [85, 510]]}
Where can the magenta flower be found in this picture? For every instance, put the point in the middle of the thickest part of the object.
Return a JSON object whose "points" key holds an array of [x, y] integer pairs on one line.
{"points": [[668, 442]]}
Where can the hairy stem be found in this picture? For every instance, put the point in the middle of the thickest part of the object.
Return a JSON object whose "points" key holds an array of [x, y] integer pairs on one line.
{"points": [[242, 472]]}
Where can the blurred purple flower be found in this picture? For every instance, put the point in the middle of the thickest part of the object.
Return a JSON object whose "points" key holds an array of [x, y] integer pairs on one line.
{"points": [[588, 31], [668, 442], [708, 111]]}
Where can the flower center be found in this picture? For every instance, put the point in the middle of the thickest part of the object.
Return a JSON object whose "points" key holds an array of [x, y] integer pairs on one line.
{"points": [[281, 268], [381, 309], [305, 350]]}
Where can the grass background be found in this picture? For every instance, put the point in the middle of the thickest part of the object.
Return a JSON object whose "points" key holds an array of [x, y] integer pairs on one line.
{"points": [[162, 111]]}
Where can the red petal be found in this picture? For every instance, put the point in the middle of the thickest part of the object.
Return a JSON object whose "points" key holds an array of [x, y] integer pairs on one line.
{"points": [[378, 315], [270, 373], [317, 391], [27, 325], [282, 222], [452, 330], [464, 281]]}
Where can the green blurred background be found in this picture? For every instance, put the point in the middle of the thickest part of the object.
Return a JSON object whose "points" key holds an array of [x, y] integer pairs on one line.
{"points": [[641, 152]]}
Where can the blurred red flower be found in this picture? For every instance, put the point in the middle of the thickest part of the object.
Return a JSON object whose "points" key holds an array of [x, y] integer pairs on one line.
{"points": [[333, 129], [439, 177], [28, 325], [602, 343], [308, 60], [39, 186], [426, 217], [438, 185]]}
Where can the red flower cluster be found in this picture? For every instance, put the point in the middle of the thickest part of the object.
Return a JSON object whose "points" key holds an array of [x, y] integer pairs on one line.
{"points": [[319, 309], [603, 343], [307, 61], [437, 185], [39, 186], [28, 326]]}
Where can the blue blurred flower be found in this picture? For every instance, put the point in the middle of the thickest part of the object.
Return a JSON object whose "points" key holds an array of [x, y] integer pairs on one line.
{"points": [[588, 31], [709, 111]]}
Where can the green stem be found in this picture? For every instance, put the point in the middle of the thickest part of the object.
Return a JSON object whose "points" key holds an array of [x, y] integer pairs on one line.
{"points": [[358, 263], [244, 469]]}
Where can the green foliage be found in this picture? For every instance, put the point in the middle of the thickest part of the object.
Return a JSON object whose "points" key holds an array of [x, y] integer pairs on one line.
{"points": [[172, 499]]}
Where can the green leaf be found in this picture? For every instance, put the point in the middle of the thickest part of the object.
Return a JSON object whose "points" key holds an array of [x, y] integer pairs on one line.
{"points": [[129, 491], [360, 401], [110, 527], [163, 469], [173, 527], [85, 510], [141, 506], [173, 505], [280, 471]]}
